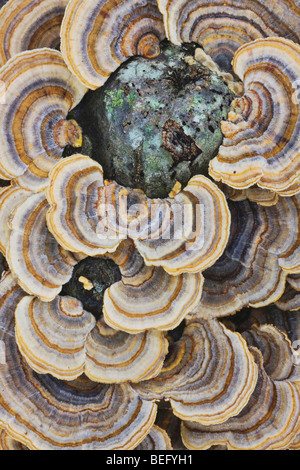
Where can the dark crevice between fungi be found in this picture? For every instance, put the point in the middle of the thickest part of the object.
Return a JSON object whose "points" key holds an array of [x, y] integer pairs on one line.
{"points": [[90, 278], [155, 121]]}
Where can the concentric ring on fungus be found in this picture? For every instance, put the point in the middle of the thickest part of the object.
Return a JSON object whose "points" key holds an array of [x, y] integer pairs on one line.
{"points": [[10, 198], [45, 413], [147, 297], [262, 250], [7, 443], [261, 144], [269, 421], [209, 375], [40, 264], [157, 439], [28, 24], [62, 339], [70, 381], [72, 218], [184, 233], [39, 91], [222, 27]]}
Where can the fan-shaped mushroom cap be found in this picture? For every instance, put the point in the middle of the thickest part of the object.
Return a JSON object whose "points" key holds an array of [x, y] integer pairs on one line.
{"points": [[43, 412], [269, 421], [97, 36], [290, 299], [261, 144], [7, 443], [287, 322], [261, 251], [61, 339], [10, 295], [73, 194], [51, 335], [10, 198], [41, 265], [201, 211], [209, 375], [157, 439], [114, 356], [39, 93], [147, 297], [222, 27], [28, 24]]}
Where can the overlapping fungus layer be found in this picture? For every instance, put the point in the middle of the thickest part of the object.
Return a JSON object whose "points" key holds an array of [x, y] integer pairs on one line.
{"points": [[261, 144], [41, 265], [270, 420], [184, 233], [148, 297], [61, 339], [209, 375]]}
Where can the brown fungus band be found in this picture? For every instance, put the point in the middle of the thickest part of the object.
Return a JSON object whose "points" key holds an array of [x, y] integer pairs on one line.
{"points": [[28, 24], [222, 27], [261, 144]]}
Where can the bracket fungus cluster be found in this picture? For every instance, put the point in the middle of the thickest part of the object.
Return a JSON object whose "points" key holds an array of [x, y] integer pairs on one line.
{"points": [[96, 37], [260, 255], [194, 344]]}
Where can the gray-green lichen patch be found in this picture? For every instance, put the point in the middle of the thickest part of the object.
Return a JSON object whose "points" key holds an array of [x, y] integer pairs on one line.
{"points": [[156, 121], [100, 274]]}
